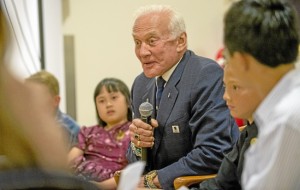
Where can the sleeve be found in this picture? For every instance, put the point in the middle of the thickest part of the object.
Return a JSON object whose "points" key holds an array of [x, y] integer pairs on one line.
{"points": [[135, 95], [213, 130], [82, 135], [227, 175], [130, 156]]}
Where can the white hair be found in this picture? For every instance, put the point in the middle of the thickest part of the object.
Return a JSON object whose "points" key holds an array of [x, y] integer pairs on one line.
{"points": [[176, 25]]}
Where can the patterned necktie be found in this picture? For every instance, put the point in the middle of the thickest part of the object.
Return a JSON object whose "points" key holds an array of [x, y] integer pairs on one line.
{"points": [[160, 83]]}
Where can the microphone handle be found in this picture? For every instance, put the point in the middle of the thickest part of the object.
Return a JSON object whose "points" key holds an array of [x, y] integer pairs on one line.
{"points": [[144, 150]]}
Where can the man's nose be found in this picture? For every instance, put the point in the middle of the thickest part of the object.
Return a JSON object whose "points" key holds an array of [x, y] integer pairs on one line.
{"points": [[144, 50], [225, 96]]}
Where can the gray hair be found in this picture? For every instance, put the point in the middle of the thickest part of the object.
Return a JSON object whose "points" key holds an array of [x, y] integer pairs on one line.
{"points": [[176, 25]]}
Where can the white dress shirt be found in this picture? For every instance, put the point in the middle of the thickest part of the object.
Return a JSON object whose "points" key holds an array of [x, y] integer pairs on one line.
{"points": [[273, 162]]}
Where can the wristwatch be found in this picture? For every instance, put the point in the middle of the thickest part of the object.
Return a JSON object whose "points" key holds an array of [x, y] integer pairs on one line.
{"points": [[148, 179]]}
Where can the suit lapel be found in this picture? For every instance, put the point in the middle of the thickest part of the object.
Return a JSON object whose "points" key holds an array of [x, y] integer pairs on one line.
{"points": [[168, 99]]}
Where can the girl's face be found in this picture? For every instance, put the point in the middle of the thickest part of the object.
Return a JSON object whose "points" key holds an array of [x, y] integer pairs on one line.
{"points": [[240, 97], [112, 107]]}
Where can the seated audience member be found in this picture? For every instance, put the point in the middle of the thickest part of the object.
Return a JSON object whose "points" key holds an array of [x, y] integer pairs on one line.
{"points": [[32, 157], [49, 86], [101, 149], [221, 61], [261, 39], [239, 98]]}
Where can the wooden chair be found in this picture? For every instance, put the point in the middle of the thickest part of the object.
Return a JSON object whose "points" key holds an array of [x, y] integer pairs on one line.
{"points": [[190, 180]]}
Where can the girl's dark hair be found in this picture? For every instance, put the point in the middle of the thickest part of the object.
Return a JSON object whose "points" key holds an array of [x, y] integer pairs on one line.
{"points": [[113, 85]]}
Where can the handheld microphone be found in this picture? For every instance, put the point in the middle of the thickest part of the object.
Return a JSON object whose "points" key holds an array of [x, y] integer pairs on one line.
{"points": [[145, 110]]}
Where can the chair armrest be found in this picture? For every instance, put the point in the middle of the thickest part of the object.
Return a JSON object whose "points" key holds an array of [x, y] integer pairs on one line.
{"points": [[190, 180]]}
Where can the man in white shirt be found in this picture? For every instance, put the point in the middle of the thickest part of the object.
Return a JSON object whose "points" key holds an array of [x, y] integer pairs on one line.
{"points": [[261, 39]]}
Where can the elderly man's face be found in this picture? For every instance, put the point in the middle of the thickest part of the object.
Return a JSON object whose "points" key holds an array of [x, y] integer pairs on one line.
{"points": [[156, 49]]}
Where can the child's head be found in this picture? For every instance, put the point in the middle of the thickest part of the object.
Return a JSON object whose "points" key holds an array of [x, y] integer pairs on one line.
{"points": [[48, 87], [112, 101], [241, 98], [47, 79]]}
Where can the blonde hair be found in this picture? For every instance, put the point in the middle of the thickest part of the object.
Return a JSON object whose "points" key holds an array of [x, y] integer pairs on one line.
{"points": [[47, 79]]}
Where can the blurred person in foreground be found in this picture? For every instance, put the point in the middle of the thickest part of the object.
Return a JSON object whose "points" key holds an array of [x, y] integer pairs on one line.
{"points": [[48, 84], [261, 47], [33, 151], [191, 128]]}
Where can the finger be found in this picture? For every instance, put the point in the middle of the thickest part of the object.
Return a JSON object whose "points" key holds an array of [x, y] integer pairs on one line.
{"points": [[146, 139], [154, 123], [146, 133], [141, 183], [142, 125], [143, 141], [132, 135], [143, 144], [136, 136], [132, 127]]}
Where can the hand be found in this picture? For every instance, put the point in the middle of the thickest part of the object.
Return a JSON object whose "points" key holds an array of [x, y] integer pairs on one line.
{"points": [[156, 182], [141, 133], [141, 183]]}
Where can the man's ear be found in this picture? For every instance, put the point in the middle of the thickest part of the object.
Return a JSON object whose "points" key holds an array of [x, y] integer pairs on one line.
{"points": [[57, 100], [182, 42]]}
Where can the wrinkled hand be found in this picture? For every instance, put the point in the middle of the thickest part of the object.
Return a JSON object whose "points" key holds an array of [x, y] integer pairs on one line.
{"points": [[141, 133], [141, 183]]}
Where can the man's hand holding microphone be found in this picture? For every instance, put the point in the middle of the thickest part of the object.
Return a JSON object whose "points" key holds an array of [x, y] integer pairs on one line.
{"points": [[142, 138], [141, 133], [142, 130]]}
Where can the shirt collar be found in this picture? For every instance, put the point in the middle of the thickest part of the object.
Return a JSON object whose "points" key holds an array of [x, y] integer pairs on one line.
{"points": [[166, 76]]}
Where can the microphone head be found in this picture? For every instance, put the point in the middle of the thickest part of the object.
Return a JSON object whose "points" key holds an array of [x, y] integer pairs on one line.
{"points": [[146, 109]]}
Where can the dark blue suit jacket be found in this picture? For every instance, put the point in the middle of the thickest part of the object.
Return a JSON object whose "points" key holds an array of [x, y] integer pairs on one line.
{"points": [[192, 103]]}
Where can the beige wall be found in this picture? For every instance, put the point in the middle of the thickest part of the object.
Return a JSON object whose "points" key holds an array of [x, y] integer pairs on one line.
{"points": [[104, 45]]}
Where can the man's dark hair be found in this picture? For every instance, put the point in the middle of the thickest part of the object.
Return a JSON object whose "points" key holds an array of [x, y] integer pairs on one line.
{"points": [[265, 29]]}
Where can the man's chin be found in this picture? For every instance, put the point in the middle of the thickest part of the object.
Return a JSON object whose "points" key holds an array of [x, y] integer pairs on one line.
{"points": [[150, 74]]}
